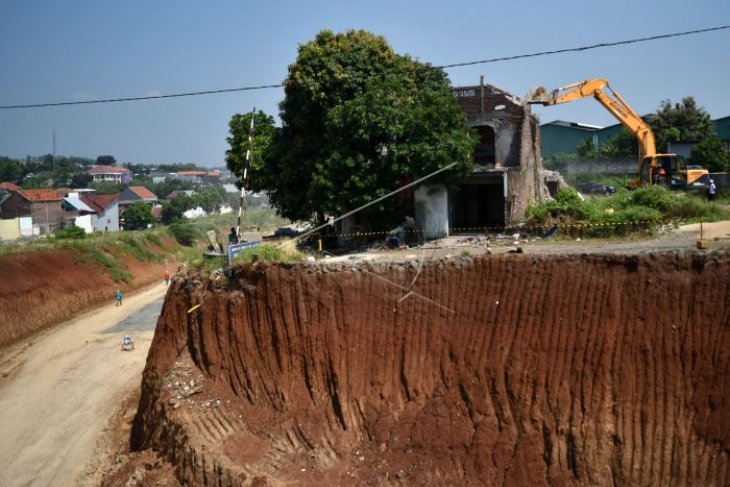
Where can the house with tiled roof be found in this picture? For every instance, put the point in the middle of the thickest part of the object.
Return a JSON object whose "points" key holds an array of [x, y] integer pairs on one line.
{"points": [[8, 187], [44, 206], [78, 213], [197, 176], [113, 174], [137, 194], [106, 208], [179, 192]]}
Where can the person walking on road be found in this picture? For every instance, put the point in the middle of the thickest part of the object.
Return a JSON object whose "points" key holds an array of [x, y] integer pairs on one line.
{"points": [[119, 297], [167, 277]]}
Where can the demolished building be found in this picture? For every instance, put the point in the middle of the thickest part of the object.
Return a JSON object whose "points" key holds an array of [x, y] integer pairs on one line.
{"points": [[508, 173]]}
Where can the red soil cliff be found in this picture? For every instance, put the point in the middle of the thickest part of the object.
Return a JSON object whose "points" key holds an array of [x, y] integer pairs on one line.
{"points": [[42, 288], [504, 370]]}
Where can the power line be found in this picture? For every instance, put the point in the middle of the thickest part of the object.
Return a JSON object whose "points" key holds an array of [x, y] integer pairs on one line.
{"points": [[586, 48], [445, 66], [139, 98]]}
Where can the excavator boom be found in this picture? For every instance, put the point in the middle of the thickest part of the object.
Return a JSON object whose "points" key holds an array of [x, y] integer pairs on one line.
{"points": [[651, 164]]}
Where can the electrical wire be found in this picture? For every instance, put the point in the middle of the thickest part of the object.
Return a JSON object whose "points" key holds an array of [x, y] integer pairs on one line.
{"points": [[445, 66], [585, 48], [139, 98]]}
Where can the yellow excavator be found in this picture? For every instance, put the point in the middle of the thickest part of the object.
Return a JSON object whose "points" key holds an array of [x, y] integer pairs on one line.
{"points": [[668, 169]]}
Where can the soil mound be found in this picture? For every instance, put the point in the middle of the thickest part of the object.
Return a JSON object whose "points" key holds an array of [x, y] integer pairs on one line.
{"points": [[504, 370], [42, 288]]}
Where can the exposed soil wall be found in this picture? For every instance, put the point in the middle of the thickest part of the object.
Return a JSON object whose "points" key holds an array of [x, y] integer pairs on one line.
{"points": [[43, 288], [504, 370]]}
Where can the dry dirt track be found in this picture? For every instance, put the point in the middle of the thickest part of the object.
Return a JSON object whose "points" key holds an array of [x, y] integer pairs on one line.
{"points": [[59, 390]]}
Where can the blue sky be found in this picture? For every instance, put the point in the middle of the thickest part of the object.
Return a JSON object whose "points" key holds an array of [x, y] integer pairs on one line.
{"points": [[82, 50]]}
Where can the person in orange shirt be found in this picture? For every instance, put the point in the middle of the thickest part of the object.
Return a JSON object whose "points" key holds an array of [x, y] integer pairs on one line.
{"points": [[167, 277]]}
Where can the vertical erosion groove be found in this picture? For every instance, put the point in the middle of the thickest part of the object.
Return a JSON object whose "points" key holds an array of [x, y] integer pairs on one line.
{"points": [[572, 370]]}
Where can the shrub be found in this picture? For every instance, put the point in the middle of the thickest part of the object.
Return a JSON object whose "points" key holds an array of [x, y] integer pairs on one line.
{"points": [[72, 232], [185, 233], [284, 252], [567, 206], [657, 197]]}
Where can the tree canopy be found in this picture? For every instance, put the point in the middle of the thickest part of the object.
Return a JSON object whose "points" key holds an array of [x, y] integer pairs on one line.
{"points": [[358, 121], [263, 140], [106, 160], [710, 154], [137, 216], [685, 121]]}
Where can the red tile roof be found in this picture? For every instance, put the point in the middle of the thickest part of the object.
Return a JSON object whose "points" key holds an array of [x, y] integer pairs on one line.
{"points": [[191, 173], [100, 202], [8, 186], [40, 195], [107, 169], [143, 192]]}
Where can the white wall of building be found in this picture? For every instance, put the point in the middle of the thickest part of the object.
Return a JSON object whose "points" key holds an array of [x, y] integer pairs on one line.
{"points": [[10, 229], [108, 221], [432, 211], [84, 222]]}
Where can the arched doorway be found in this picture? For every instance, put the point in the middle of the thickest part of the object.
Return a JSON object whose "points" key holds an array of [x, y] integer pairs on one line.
{"points": [[484, 153]]}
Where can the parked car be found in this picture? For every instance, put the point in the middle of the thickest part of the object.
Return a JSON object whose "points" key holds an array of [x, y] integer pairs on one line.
{"points": [[595, 188]]}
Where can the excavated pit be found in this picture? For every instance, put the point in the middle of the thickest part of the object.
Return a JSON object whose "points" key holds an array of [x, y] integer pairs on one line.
{"points": [[502, 370]]}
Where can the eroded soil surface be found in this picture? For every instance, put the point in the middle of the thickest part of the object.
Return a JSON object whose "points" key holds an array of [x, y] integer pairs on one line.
{"points": [[503, 369]]}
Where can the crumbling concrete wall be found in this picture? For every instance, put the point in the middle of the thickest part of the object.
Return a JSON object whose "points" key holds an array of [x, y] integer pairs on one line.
{"points": [[432, 211], [516, 143]]}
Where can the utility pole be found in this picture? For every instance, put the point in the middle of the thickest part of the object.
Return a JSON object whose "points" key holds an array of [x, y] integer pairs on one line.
{"points": [[246, 167], [54, 151]]}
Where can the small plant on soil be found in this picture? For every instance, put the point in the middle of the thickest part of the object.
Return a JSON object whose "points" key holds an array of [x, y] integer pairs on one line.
{"points": [[285, 251], [72, 232]]}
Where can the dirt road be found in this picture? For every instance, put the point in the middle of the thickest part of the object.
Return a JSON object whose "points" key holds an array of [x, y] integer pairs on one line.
{"points": [[59, 390]]}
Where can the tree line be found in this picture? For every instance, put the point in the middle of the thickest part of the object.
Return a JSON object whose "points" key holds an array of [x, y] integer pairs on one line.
{"points": [[672, 122]]}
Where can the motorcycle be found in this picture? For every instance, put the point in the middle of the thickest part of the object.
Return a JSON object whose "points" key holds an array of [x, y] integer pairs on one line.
{"points": [[127, 343]]}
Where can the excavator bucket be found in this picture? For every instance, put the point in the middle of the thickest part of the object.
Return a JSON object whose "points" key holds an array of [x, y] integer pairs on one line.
{"points": [[539, 95]]}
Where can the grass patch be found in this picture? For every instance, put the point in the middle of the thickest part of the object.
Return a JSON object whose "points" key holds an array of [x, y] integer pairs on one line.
{"points": [[72, 232], [133, 244], [622, 213], [285, 251], [87, 252], [196, 260]]}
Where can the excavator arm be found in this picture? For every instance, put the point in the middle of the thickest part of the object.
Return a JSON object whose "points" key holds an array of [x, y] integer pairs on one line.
{"points": [[611, 100], [653, 168]]}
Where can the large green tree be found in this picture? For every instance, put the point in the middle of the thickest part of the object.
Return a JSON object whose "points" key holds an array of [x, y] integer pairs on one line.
{"points": [[10, 170], [137, 216], [358, 121], [263, 139], [208, 199], [710, 154], [106, 160], [680, 121]]}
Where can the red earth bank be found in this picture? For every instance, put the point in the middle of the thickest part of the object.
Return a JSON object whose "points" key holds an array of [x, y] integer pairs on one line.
{"points": [[503, 370]]}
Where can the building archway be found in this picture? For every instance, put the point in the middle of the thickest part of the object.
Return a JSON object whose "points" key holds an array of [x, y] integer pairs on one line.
{"points": [[484, 152]]}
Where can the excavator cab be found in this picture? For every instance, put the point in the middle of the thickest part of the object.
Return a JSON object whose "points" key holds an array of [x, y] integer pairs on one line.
{"points": [[669, 170]]}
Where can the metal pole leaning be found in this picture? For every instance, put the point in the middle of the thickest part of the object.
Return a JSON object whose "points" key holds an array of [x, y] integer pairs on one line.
{"points": [[244, 180], [350, 213]]}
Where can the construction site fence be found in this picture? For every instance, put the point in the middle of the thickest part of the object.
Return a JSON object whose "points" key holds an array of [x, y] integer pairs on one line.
{"points": [[534, 230]]}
